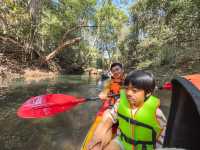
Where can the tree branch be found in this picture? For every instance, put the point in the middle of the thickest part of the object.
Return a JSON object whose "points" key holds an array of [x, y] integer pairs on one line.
{"points": [[60, 48], [76, 28], [11, 40], [3, 20]]}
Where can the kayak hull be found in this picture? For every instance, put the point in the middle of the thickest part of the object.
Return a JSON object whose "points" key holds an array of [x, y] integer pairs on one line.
{"points": [[91, 132], [94, 125]]}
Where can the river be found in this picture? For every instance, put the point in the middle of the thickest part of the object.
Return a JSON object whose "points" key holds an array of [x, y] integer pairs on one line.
{"points": [[65, 131]]}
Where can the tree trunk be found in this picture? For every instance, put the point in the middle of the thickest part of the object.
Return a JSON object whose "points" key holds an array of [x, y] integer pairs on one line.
{"points": [[60, 48]]}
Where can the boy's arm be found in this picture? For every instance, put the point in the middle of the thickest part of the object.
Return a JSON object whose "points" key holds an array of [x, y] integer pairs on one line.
{"points": [[101, 133], [109, 118], [112, 113], [103, 127], [162, 121]]}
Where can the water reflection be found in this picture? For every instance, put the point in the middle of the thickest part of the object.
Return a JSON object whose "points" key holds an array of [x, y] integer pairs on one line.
{"points": [[65, 131]]}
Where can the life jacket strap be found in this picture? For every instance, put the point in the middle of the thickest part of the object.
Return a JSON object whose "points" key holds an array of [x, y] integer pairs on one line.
{"points": [[136, 142], [135, 122]]}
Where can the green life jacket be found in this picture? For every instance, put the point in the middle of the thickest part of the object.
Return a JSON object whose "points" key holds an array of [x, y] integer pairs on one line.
{"points": [[141, 129]]}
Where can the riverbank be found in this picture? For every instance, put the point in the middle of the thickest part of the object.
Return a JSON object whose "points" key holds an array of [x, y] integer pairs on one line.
{"points": [[11, 69], [29, 75], [166, 73]]}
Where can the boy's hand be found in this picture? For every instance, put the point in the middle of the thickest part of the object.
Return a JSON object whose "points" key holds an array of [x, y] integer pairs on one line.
{"points": [[94, 142], [106, 139], [98, 143], [103, 96], [99, 138]]}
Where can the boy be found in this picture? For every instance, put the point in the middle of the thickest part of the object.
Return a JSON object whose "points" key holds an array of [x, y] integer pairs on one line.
{"points": [[112, 86], [141, 122]]}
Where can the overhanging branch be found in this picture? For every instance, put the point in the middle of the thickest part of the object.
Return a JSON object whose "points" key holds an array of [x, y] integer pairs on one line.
{"points": [[60, 48]]}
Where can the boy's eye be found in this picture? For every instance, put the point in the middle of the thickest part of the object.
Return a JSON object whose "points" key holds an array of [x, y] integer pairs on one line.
{"points": [[135, 90]]}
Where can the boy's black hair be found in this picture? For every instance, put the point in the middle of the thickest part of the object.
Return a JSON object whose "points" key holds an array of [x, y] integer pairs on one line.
{"points": [[116, 64], [141, 80]]}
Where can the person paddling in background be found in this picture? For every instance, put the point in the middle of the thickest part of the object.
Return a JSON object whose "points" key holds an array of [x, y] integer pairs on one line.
{"points": [[112, 86], [141, 123], [109, 96]]}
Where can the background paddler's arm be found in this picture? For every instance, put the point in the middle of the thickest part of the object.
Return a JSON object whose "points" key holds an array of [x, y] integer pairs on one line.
{"points": [[103, 95]]}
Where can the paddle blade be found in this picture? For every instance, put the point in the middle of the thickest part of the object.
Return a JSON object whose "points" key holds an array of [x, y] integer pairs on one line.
{"points": [[47, 105], [167, 86]]}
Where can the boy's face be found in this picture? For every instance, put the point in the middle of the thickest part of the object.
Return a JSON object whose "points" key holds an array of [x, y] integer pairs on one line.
{"points": [[117, 72], [135, 96]]}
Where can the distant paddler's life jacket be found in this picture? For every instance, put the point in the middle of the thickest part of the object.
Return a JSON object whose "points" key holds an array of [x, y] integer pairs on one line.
{"points": [[138, 131], [115, 87]]}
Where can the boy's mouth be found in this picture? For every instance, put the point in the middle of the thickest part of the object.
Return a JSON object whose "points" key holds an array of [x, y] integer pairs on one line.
{"points": [[131, 99], [116, 75]]}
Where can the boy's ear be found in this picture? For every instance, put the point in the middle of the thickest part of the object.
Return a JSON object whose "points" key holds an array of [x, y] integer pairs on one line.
{"points": [[148, 94]]}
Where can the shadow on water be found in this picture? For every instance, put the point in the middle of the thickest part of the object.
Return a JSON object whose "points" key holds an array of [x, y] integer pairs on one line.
{"points": [[65, 131]]}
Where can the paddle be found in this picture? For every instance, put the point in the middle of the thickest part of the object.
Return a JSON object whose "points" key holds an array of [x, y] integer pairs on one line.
{"points": [[166, 86], [49, 105]]}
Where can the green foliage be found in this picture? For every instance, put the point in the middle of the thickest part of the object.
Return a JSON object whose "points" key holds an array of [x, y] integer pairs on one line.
{"points": [[42, 26], [110, 21], [161, 30], [99, 63], [44, 30]]}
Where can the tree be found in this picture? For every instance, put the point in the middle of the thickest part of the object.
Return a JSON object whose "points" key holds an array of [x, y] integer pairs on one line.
{"points": [[111, 20], [163, 29]]}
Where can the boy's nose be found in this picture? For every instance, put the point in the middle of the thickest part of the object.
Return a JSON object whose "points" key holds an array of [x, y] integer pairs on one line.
{"points": [[115, 72], [129, 92]]}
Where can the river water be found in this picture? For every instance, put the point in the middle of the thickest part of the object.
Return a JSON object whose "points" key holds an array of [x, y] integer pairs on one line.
{"points": [[65, 131]]}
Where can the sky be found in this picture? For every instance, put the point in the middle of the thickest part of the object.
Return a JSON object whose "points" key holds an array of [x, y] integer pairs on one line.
{"points": [[124, 4]]}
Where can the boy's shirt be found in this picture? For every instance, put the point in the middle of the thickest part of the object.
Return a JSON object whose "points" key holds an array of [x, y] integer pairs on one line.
{"points": [[112, 114]]}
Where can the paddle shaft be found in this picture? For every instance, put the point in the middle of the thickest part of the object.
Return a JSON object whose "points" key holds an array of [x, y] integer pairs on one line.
{"points": [[81, 100], [113, 95], [51, 104]]}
